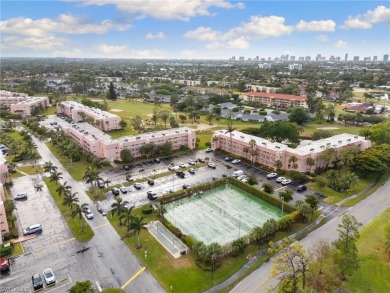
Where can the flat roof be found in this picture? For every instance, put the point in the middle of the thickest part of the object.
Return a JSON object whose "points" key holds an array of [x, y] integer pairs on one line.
{"points": [[276, 96], [161, 133], [92, 111]]}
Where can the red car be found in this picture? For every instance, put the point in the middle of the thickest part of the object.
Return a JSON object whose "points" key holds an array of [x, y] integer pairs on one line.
{"points": [[4, 265]]}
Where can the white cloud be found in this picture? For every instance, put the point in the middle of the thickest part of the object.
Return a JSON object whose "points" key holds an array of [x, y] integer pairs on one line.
{"points": [[322, 38], [32, 43], [107, 49], [341, 44], [239, 37], [126, 52], [151, 36], [67, 53], [188, 54], [316, 25], [165, 9], [380, 14], [65, 23]]}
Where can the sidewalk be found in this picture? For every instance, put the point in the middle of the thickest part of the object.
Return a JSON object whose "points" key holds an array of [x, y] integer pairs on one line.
{"points": [[23, 238]]}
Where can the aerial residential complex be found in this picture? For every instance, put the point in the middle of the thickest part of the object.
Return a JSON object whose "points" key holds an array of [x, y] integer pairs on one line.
{"points": [[272, 99], [19, 103], [78, 112], [267, 152], [103, 146]]}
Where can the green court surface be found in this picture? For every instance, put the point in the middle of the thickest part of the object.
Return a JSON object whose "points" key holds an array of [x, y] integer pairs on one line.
{"points": [[220, 215]]}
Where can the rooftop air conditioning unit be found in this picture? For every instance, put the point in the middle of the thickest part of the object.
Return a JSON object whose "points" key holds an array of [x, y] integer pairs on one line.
{"points": [[311, 150]]}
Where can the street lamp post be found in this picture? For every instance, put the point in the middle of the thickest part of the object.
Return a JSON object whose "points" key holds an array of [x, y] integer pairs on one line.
{"points": [[282, 204]]}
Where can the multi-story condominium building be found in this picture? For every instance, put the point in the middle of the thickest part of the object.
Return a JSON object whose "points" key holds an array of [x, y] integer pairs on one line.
{"points": [[260, 88], [3, 216], [187, 82], [3, 169], [267, 152], [102, 119], [27, 106], [278, 100], [9, 98], [103, 146], [295, 66], [265, 66]]}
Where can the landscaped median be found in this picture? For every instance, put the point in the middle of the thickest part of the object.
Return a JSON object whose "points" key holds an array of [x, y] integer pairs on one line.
{"points": [[73, 223]]}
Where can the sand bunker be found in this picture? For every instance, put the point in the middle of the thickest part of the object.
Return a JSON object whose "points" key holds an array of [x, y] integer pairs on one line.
{"points": [[328, 128], [116, 110]]}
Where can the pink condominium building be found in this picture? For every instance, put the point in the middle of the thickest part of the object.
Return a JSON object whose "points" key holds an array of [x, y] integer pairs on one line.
{"points": [[25, 107], [267, 152], [101, 119], [272, 99], [103, 146]]}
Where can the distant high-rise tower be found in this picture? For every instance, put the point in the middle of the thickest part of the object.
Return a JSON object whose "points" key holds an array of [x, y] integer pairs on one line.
{"points": [[257, 58], [375, 59], [346, 57], [338, 59], [356, 59], [234, 58], [386, 58], [307, 58], [292, 58], [331, 58], [287, 57], [241, 58], [318, 58], [301, 59]]}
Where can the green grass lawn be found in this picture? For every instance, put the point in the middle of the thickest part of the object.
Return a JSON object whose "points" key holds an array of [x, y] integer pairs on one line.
{"points": [[31, 170], [204, 136], [50, 111], [334, 196], [374, 271], [341, 128], [16, 175], [73, 223]]}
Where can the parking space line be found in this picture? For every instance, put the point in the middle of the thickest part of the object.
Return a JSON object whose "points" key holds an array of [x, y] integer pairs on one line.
{"points": [[99, 226], [63, 242], [280, 188], [133, 277], [70, 281]]}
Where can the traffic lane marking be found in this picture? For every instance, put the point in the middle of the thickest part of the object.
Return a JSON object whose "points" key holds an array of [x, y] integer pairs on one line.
{"points": [[63, 242], [133, 277]]}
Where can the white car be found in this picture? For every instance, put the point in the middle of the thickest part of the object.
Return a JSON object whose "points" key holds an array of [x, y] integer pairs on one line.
{"points": [[192, 171], [212, 165], [182, 165], [191, 162], [242, 177], [236, 161], [286, 181], [173, 168], [272, 175], [280, 179], [49, 277], [88, 214], [123, 189]]}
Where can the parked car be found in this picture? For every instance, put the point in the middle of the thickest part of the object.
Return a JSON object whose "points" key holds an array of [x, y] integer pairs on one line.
{"points": [[157, 161], [208, 150], [152, 195], [37, 281], [214, 177], [200, 160], [21, 196], [129, 178], [88, 214], [191, 162], [182, 165], [272, 175], [242, 177], [123, 189], [137, 186], [49, 277], [286, 181], [191, 171], [301, 188], [126, 204], [115, 191], [280, 179], [173, 168], [228, 159], [181, 174], [186, 186], [4, 265], [212, 165], [37, 228], [126, 167], [151, 182], [236, 161]]}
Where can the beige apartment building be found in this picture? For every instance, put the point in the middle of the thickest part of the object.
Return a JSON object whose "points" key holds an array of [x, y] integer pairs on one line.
{"points": [[78, 112], [267, 152], [9, 98], [3, 216], [278, 100], [27, 106], [103, 146], [3, 168]]}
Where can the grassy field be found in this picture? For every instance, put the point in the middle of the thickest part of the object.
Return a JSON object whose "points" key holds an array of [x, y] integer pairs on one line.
{"points": [[16, 175], [73, 223], [31, 170], [373, 274], [50, 111], [334, 196], [338, 128]]}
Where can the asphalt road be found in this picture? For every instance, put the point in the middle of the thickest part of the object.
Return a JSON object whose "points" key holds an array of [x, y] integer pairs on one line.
{"points": [[105, 258], [365, 211]]}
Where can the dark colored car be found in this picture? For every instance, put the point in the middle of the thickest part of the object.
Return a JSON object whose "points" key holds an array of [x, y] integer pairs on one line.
{"points": [[180, 174], [126, 167], [150, 182], [186, 186], [115, 191], [228, 159], [157, 161], [301, 188], [101, 184], [37, 281], [137, 186], [200, 160], [152, 195], [21, 196]]}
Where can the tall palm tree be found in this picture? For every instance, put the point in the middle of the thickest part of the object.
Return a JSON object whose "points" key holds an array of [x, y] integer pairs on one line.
{"points": [[48, 167], [310, 162], [293, 162], [258, 232], [70, 200], [245, 150], [78, 212], [230, 130], [63, 189], [117, 208], [127, 215], [136, 225], [278, 165], [55, 177]]}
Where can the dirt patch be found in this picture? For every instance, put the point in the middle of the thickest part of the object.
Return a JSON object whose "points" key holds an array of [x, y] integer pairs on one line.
{"points": [[97, 100], [328, 128], [116, 110]]}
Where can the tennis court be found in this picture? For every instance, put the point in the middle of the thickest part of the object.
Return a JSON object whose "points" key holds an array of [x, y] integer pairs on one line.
{"points": [[220, 215]]}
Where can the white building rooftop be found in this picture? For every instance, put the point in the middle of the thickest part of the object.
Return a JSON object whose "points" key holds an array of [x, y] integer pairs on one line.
{"points": [[160, 133], [89, 110]]}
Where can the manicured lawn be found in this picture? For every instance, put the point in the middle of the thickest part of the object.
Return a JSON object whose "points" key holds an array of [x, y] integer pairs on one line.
{"points": [[341, 128], [374, 271], [113, 290], [18, 250], [31, 170], [50, 111], [73, 223], [15, 135], [334, 196], [16, 175], [204, 136]]}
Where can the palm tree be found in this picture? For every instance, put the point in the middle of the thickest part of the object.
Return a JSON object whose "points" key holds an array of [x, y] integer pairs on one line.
{"points": [[328, 156], [245, 150], [63, 189], [352, 180], [117, 207], [310, 162], [127, 215], [293, 162], [79, 211], [278, 165], [92, 176], [258, 232], [48, 167], [70, 200], [161, 210], [230, 130], [55, 177], [313, 201], [136, 225], [270, 227]]}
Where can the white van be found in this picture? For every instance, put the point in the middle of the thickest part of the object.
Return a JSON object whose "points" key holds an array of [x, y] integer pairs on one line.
{"points": [[32, 229], [238, 173]]}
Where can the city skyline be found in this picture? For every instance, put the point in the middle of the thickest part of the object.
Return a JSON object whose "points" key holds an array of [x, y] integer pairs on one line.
{"points": [[196, 29]]}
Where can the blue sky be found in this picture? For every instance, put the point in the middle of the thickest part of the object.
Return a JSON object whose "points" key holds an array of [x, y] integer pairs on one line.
{"points": [[193, 29]]}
